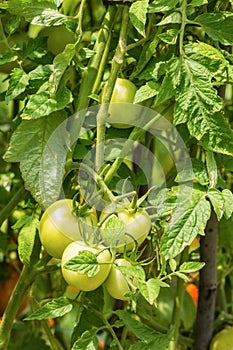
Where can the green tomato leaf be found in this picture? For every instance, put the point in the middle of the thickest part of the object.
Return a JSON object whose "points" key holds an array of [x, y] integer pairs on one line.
{"points": [[196, 172], [35, 48], [186, 222], [42, 168], [228, 203], [162, 6], [153, 339], [217, 200], [211, 58], [30, 9], [195, 96], [12, 24], [174, 17], [198, 105], [55, 308], [38, 76], [154, 69], [133, 271], [26, 238], [85, 263], [195, 3], [17, 84], [44, 102], [49, 17], [170, 36], [60, 63], [147, 53], [150, 289], [171, 80], [7, 57], [146, 91], [218, 26], [138, 13], [191, 266], [172, 264], [87, 341]]}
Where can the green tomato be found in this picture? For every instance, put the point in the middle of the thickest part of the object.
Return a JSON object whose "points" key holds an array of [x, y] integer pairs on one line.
{"points": [[82, 281], [116, 283], [222, 340], [137, 227], [59, 226], [58, 38], [121, 112]]}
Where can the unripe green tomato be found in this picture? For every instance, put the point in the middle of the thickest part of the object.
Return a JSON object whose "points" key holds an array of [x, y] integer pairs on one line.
{"points": [[121, 113], [222, 340], [137, 227], [116, 283], [59, 226], [58, 38], [82, 281]]}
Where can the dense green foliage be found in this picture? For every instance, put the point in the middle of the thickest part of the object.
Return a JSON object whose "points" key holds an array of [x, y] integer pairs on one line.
{"points": [[168, 155]]}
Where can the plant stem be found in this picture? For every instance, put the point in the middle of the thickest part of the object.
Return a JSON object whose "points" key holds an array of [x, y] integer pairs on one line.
{"points": [[182, 28], [117, 62], [207, 284], [176, 317], [27, 276], [93, 66], [7, 210]]}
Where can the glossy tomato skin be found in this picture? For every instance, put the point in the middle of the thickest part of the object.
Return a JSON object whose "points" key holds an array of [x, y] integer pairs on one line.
{"points": [[137, 227], [116, 283], [121, 113], [82, 281], [59, 226], [222, 340]]}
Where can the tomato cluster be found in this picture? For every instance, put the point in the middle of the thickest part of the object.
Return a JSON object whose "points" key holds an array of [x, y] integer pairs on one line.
{"points": [[69, 234]]}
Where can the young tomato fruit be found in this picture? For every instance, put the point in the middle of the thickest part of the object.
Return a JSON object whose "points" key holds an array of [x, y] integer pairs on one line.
{"points": [[136, 227], [116, 283], [222, 340], [59, 226], [81, 280], [121, 109]]}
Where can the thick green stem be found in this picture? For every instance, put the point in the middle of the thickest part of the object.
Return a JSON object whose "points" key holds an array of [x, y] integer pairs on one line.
{"points": [[176, 317], [27, 276], [117, 62], [93, 66], [16, 198]]}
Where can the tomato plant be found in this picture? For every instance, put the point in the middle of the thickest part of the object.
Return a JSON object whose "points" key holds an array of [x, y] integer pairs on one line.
{"points": [[124, 108], [86, 280], [59, 226]]}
